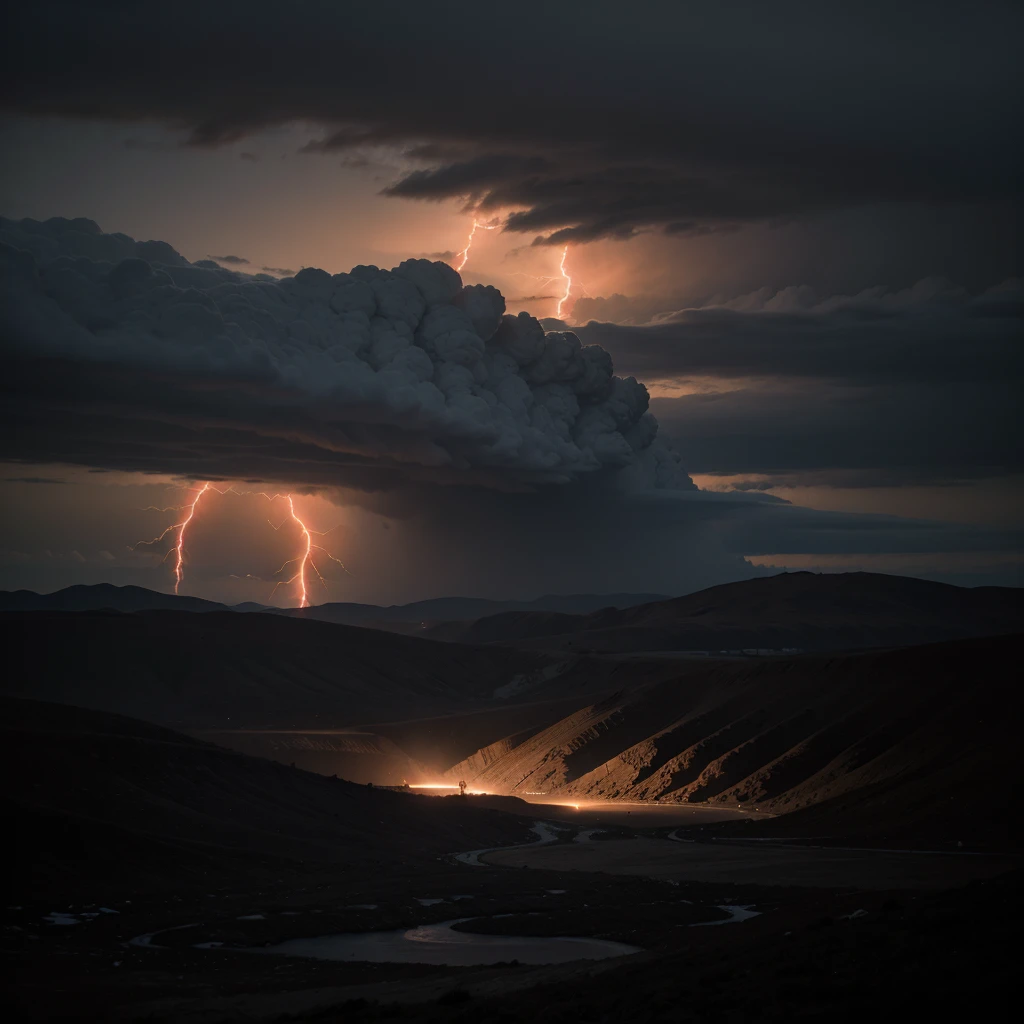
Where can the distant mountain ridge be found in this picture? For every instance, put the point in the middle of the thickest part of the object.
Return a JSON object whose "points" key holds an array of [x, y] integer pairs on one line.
{"points": [[800, 611], [908, 735], [444, 609], [98, 596], [101, 596], [792, 612]]}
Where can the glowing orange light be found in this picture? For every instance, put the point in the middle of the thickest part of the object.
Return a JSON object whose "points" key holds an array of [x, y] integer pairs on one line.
{"points": [[469, 242], [446, 785]]}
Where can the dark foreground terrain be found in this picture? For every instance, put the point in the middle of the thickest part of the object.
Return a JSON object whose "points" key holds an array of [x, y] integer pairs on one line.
{"points": [[832, 956], [824, 836], [901, 744], [136, 845], [102, 800], [936, 957]]}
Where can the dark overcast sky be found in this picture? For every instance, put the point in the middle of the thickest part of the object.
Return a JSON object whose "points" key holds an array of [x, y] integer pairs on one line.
{"points": [[797, 224]]}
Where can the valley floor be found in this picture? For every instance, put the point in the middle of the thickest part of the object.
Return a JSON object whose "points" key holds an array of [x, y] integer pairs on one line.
{"points": [[824, 916], [754, 863]]}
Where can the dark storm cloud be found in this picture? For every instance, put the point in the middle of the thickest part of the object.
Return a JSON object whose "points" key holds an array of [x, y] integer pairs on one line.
{"points": [[590, 120], [235, 261], [475, 177], [403, 390], [762, 524], [81, 238], [924, 385], [145, 145], [851, 436], [367, 379], [687, 541], [618, 201], [929, 332], [32, 480]]}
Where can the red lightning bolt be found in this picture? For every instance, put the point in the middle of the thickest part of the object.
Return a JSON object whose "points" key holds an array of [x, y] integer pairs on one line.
{"points": [[179, 570], [469, 242], [179, 544], [568, 284], [304, 560]]}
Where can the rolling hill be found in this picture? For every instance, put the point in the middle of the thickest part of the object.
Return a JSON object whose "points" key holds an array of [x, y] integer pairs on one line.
{"points": [[224, 669], [98, 798], [802, 611], [303, 692], [912, 736]]}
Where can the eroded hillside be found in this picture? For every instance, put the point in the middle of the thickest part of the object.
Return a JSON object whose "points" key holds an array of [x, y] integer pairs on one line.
{"points": [[782, 734]]}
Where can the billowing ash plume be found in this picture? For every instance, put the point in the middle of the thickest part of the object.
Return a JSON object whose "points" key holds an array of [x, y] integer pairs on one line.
{"points": [[124, 354]]}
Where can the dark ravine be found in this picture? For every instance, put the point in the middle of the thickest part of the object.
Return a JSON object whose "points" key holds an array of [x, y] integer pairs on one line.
{"points": [[207, 845]]}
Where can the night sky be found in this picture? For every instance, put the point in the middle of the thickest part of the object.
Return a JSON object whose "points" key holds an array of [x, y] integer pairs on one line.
{"points": [[795, 226]]}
